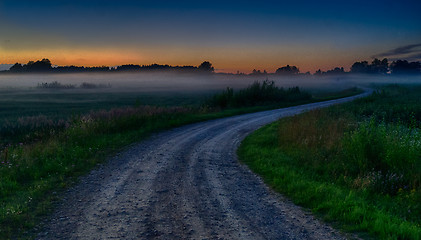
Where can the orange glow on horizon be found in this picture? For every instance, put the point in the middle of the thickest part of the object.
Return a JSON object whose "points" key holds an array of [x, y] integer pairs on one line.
{"points": [[87, 58], [228, 62]]}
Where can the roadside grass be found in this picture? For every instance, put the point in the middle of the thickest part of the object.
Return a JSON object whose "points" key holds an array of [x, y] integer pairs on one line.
{"points": [[357, 165], [47, 156]]}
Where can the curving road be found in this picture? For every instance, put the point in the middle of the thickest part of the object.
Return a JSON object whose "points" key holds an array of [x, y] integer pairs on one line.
{"points": [[185, 183]]}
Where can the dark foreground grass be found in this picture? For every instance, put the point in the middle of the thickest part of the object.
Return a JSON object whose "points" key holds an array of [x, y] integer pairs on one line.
{"points": [[357, 165], [32, 173]]}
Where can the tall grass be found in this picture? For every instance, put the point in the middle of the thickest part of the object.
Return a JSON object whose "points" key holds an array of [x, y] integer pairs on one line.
{"points": [[357, 164], [29, 129], [383, 158]]}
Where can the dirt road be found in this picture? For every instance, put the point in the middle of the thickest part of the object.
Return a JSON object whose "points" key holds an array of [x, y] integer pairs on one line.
{"points": [[185, 183]]}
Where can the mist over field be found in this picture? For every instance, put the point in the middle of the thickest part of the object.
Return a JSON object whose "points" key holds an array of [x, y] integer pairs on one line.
{"points": [[173, 82]]}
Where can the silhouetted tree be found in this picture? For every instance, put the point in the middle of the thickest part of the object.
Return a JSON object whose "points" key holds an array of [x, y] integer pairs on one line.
{"points": [[39, 66], [258, 72], [16, 68], [288, 70], [405, 67], [376, 67], [379, 67], [318, 72], [67, 69], [98, 69], [206, 67], [360, 67], [335, 71], [128, 67]]}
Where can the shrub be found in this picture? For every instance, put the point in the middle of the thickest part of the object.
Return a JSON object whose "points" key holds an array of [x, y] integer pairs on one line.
{"points": [[55, 85], [265, 93]]}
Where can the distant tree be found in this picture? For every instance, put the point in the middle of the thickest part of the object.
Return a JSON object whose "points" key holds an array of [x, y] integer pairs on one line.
{"points": [[288, 70], [16, 68], [258, 72], [67, 69], [379, 67], [318, 72], [360, 67], [98, 69], [335, 71], [206, 67], [128, 67], [39, 66], [405, 67], [376, 67]]}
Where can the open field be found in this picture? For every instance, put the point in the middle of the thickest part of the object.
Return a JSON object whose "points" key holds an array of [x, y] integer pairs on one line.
{"points": [[60, 103], [357, 165], [25, 112], [43, 154]]}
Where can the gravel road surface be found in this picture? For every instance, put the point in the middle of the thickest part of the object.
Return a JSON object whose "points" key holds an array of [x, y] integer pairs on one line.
{"points": [[185, 183]]}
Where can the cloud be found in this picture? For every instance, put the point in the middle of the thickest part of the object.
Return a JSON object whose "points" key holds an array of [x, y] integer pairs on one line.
{"points": [[414, 57], [409, 52]]}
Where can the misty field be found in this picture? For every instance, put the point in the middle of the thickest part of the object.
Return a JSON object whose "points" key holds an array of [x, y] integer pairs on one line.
{"points": [[358, 164], [31, 111], [49, 137]]}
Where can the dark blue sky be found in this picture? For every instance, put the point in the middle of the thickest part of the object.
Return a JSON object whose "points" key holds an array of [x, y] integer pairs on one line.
{"points": [[234, 35]]}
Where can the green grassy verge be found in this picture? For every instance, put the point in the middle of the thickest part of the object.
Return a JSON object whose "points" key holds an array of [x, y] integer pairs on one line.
{"points": [[357, 165], [32, 173]]}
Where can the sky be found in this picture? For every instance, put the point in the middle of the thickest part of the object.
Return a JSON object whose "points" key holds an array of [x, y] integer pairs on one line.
{"points": [[232, 35]]}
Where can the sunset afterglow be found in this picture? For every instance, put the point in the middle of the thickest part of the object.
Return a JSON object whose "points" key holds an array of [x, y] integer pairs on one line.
{"points": [[234, 36]]}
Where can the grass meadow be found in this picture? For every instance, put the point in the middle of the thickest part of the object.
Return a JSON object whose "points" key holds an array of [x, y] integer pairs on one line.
{"points": [[357, 165], [49, 137]]}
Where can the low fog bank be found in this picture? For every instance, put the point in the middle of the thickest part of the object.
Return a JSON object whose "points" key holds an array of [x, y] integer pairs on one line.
{"points": [[173, 82]]}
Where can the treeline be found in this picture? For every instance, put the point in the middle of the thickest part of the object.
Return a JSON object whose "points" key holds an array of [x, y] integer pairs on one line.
{"points": [[377, 66], [45, 66], [383, 67]]}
